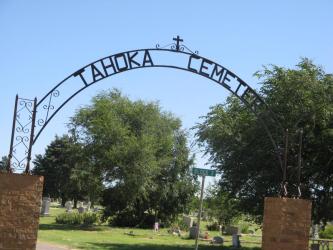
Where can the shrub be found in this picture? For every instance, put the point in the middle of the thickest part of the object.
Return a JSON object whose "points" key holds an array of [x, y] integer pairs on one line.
{"points": [[327, 233], [244, 228], [90, 218], [69, 219], [87, 218], [179, 224]]}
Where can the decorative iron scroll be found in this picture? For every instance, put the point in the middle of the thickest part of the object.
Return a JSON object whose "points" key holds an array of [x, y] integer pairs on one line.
{"points": [[21, 140], [177, 46], [187, 60], [48, 107]]}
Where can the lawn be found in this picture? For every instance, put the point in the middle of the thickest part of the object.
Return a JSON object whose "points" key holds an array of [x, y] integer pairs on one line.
{"points": [[105, 237]]}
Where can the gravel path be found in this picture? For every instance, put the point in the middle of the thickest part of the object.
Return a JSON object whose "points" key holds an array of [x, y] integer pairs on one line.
{"points": [[47, 246]]}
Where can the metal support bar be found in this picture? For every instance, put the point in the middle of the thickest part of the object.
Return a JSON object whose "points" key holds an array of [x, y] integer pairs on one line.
{"points": [[10, 155], [27, 169], [284, 181], [299, 162], [200, 211]]}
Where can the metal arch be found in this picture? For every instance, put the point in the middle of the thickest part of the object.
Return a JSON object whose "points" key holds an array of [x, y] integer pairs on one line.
{"points": [[248, 96]]}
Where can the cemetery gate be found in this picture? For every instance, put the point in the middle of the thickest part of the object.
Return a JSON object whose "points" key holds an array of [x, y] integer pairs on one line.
{"points": [[31, 116]]}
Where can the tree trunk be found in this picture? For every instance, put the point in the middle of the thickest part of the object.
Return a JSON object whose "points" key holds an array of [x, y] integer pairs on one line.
{"points": [[75, 202], [63, 201], [156, 215]]}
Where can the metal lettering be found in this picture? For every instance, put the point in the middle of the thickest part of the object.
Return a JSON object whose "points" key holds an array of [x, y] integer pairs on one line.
{"points": [[218, 73], [79, 73], [125, 67], [225, 81], [203, 66], [190, 62], [241, 83], [110, 65], [147, 59], [131, 60], [95, 72]]}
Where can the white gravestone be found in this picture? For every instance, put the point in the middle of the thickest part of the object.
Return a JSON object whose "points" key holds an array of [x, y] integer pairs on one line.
{"points": [[88, 206], [316, 232], [45, 206], [68, 206], [188, 221]]}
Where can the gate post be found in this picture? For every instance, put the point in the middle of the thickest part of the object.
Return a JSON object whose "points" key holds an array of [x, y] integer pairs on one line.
{"points": [[10, 155], [27, 169]]}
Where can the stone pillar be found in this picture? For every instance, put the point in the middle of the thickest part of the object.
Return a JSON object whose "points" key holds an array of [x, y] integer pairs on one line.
{"points": [[20, 199], [287, 224]]}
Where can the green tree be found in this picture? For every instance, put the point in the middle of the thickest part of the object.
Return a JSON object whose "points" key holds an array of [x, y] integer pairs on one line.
{"points": [[220, 206], [68, 173], [143, 155], [3, 164], [301, 98]]}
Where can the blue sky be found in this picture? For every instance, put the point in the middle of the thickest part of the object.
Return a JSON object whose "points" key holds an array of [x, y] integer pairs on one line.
{"points": [[42, 42]]}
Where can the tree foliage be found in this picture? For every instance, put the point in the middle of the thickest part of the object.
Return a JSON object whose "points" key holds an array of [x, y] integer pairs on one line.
{"points": [[68, 172], [220, 206], [301, 98], [143, 155], [3, 164]]}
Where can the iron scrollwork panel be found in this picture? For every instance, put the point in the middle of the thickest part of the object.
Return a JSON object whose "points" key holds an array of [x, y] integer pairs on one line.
{"points": [[23, 119], [46, 109]]}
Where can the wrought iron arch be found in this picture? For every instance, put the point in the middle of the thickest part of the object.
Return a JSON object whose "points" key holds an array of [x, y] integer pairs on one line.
{"points": [[32, 116]]}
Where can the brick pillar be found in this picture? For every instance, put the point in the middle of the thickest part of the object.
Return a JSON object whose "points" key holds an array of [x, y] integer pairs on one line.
{"points": [[20, 199], [287, 224]]}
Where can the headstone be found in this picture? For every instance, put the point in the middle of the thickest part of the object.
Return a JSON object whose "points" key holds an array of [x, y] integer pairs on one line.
{"points": [[156, 226], [236, 241], [46, 201], [316, 232], [220, 229], [217, 240], [193, 232], [88, 206], [286, 224], [68, 206], [231, 230], [81, 210], [315, 246], [188, 221]]}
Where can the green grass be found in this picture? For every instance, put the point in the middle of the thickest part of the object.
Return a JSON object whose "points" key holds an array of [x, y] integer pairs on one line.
{"points": [[105, 237]]}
